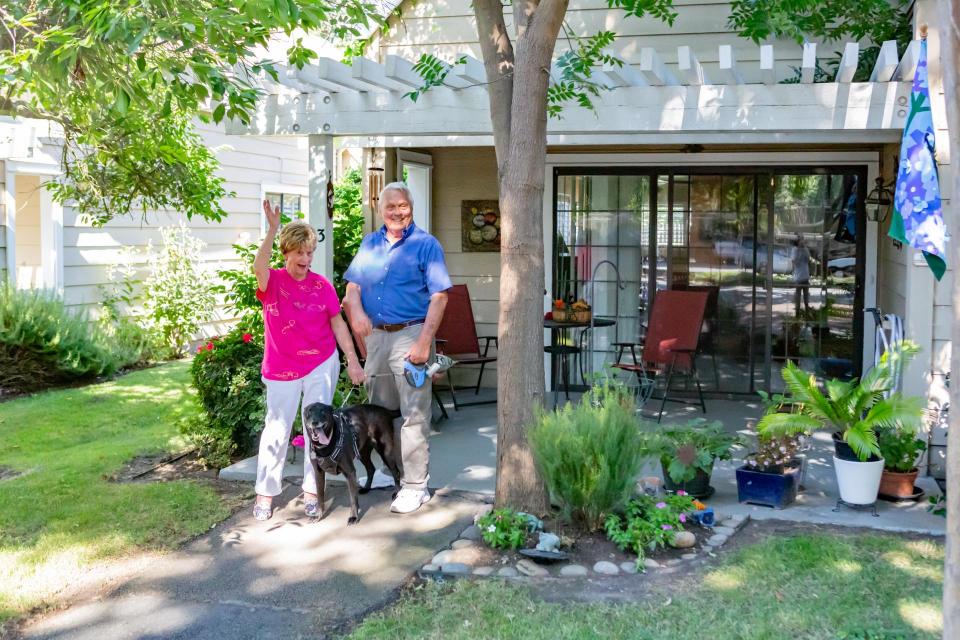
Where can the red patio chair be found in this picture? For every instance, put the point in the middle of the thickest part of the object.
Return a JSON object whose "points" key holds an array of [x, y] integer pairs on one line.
{"points": [[672, 342], [457, 338]]}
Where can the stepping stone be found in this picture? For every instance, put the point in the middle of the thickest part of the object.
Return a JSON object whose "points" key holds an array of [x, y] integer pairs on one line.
{"points": [[455, 568], [471, 533], [649, 563], [483, 571], [532, 569], [727, 531], [683, 540], [508, 572], [606, 568], [573, 571], [463, 544], [467, 555], [688, 556], [717, 540], [628, 567]]}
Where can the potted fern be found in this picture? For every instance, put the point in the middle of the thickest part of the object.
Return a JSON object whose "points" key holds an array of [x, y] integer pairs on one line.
{"points": [[854, 411]]}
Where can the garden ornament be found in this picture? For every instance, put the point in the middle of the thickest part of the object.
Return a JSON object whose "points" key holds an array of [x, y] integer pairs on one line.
{"points": [[533, 522], [548, 542], [704, 517]]}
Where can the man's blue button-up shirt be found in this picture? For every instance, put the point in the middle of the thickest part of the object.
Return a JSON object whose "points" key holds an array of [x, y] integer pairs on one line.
{"points": [[396, 281]]}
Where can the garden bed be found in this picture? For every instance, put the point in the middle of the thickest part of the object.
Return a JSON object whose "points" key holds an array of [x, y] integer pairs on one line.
{"points": [[588, 554]]}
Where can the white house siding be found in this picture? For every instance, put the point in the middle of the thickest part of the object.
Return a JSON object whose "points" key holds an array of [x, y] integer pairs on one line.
{"points": [[3, 223], [246, 164], [468, 173], [449, 28]]}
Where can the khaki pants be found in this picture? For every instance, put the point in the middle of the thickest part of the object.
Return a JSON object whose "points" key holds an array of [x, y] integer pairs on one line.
{"points": [[385, 356]]}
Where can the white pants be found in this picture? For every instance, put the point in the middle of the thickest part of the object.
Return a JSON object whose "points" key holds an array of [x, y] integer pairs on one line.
{"points": [[283, 398]]}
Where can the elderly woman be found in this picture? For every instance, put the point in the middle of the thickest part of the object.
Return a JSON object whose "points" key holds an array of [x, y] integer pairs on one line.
{"points": [[302, 327]]}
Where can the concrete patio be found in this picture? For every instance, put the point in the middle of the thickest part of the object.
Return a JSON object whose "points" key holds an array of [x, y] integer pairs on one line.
{"points": [[463, 458]]}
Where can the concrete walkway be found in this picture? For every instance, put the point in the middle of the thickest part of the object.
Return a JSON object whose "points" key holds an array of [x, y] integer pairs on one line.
{"points": [[285, 578]]}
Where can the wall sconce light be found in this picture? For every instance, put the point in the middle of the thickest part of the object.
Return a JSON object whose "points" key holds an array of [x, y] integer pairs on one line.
{"points": [[879, 201]]}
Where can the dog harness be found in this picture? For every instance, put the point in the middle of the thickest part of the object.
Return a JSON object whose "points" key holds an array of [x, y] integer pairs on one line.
{"points": [[330, 460]]}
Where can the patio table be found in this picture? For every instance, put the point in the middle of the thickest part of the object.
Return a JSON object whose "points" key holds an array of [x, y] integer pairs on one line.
{"points": [[554, 325]]}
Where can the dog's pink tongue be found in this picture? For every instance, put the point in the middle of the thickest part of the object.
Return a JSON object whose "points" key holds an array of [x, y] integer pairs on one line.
{"points": [[323, 438]]}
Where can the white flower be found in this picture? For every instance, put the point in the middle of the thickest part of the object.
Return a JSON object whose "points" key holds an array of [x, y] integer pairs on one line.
{"points": [[491, 529]]}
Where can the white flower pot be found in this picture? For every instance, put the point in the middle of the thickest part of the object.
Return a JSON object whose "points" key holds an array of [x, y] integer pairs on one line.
{"points": [[859, 482]]}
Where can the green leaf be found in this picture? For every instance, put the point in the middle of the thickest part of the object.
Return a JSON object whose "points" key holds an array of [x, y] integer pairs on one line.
{"points": [[218, 112], [122, 102]]}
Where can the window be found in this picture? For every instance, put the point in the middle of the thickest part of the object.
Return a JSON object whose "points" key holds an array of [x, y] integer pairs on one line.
{"points": [[291, 199]]}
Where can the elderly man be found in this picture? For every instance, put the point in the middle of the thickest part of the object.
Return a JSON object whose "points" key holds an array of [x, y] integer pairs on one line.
{"points": [[396, 294]]}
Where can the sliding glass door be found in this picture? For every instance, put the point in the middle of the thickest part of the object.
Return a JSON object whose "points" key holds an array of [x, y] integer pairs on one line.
{"points": [[778, 252]]}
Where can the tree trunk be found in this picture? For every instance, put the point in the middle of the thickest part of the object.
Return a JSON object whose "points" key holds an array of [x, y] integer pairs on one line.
{"points": [[949, 59], [520, 376]]}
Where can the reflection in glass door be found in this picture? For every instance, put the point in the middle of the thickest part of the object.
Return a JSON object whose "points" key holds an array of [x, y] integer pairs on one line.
{"points": [[776, 251]]}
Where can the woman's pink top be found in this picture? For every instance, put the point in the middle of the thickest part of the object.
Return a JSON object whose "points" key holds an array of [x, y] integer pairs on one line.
{"points": [[296, 318]]}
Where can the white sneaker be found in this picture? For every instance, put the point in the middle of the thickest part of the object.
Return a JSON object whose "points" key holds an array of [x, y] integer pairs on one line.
{"points": [[381, 480], [409, 500]]}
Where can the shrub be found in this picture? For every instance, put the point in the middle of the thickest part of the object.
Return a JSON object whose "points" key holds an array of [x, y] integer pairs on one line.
{"points": [[773, 452], [347, 225], [503, 528], [649, 522], [589, 454], [226, 374], [42, 343], [178, 298]]}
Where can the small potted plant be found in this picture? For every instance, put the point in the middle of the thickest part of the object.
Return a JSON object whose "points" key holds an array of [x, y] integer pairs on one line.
{"points": [[899, 449], [854, 411], [687, 453], [771, 475]]}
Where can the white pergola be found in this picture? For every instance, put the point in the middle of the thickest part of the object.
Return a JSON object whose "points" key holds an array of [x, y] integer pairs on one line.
{"points": [[649, 102]]}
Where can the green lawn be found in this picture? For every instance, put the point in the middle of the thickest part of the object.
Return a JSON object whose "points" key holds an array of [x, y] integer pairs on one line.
{"points": [[804, 587], [61, 516]]}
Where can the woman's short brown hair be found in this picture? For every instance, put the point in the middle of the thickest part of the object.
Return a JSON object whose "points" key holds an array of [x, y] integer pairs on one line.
{"points": [[295, 235]]}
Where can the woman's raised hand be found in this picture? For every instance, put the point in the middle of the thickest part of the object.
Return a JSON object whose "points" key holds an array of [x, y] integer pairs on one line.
{"points": [[272, 214]]}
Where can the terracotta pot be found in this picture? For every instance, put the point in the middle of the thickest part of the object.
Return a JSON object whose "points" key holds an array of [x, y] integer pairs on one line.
{"points": [[896, 484]]}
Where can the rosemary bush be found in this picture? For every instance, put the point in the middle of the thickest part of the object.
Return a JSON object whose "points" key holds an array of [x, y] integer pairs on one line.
{"points": [[589, 454]]}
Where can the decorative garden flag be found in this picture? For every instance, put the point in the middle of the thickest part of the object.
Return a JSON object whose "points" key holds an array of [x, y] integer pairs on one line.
{"points": [[918, 216]]}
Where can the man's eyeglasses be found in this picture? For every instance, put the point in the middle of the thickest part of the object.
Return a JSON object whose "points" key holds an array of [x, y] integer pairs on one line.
{"points": [[398, 208]]}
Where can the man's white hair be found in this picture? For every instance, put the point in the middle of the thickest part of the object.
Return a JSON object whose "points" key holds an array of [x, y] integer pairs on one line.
{"points": [[397, 186]]}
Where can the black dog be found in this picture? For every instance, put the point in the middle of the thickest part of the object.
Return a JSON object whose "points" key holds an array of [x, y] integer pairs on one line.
{"points": [[338, 436]]}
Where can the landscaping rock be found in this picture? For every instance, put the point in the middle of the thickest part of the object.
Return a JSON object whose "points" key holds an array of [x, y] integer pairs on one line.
{"points": [[483, 571], [463, 544], [467, 555], [730, 522], [628, 567], [683, 540], [532, 569], [455, 568], [508, 572], [650, 563], [471, 533], [573, 571], [674, 562], [606, 568], [688, 556], [727, 531], [738, 518], [430, 567], [717, 540]]}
